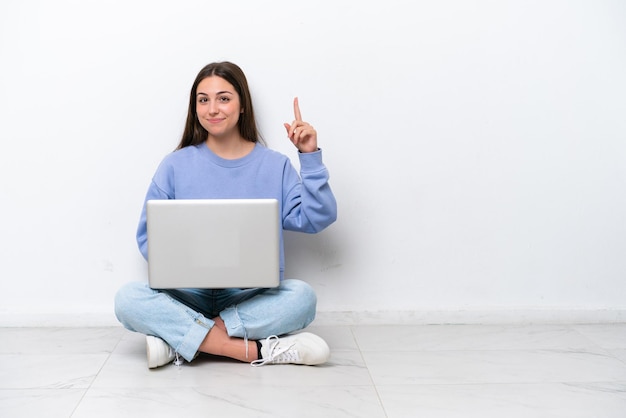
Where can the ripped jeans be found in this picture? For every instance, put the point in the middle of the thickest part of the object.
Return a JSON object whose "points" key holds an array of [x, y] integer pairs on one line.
{"points": [[182, 317]]}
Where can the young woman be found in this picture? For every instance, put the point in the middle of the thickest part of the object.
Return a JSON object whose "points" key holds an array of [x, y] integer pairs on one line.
{"points": [[220, 155]]}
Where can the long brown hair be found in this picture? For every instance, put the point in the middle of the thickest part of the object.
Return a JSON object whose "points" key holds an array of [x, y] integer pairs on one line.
{"points": [[194, 133]]}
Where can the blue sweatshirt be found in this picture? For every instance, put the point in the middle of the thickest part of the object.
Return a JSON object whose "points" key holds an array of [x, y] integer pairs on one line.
{"points": [[306, 202]]}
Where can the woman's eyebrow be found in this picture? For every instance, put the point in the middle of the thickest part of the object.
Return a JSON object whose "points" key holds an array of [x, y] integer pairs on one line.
{"points": [[219, 92]]}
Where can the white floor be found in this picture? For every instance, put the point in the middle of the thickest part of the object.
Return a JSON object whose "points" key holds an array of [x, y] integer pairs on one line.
{"points": [[375, 371]]}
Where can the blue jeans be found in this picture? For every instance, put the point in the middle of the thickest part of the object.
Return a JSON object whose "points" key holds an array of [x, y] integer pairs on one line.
{"points": [[182, 317]]}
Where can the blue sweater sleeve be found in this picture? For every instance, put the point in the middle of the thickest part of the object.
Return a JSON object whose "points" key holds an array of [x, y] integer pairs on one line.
{"points": [[309, 203], [154, 192]]}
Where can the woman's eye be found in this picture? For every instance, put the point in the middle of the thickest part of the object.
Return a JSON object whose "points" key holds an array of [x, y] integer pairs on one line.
{"points": [[224, 99], [202, 100]]}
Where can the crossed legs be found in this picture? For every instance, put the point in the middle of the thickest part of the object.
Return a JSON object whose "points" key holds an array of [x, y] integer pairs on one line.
{"points": [[239, 317]]}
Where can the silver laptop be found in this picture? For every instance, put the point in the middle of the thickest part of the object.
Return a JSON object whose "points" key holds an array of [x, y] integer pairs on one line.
{"points": [[213, 243]]}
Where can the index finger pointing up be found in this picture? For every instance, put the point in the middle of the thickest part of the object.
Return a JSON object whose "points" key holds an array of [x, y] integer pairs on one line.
{"points": [[296, 109]]}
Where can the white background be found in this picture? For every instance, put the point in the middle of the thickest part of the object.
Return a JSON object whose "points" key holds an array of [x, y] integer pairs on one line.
{"points": [[477, 149]]}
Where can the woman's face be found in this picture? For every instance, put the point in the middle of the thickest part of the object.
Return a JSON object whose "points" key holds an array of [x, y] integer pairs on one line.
{"points": [[218, 107]]}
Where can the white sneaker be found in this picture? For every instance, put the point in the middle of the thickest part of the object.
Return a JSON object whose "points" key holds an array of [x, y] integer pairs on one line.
{"points": [[303, 348], [159, 352]]}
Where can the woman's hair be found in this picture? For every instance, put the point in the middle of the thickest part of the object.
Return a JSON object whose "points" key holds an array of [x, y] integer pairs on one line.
{"points": [[194, 133]]}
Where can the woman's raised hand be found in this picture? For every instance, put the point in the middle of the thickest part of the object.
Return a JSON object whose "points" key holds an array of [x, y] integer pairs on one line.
{"points": [[301, 133]]}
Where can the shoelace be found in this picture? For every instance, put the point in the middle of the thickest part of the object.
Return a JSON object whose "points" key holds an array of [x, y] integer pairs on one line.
{"points": [[277, 354], [178, 361]]}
